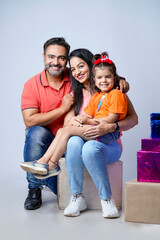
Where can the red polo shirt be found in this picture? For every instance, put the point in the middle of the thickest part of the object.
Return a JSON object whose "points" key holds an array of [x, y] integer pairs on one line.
{"points": [[37, 93]]}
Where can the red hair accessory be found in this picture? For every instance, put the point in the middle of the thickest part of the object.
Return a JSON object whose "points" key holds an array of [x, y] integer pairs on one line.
{"points": [[102, 60]]}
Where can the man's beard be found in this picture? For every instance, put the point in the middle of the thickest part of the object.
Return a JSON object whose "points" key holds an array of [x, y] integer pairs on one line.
{"points": [[54, 73]]}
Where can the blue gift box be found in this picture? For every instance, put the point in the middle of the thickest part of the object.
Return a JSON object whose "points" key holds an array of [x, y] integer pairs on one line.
{"points": [[154, 116], [155, 125]]}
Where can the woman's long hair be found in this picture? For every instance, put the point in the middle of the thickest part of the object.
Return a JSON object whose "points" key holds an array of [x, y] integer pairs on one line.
{"points": [[76, 86]]}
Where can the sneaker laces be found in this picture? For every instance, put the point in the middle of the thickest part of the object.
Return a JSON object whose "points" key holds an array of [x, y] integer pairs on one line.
{"points": [[76, 196], [108, 201]]}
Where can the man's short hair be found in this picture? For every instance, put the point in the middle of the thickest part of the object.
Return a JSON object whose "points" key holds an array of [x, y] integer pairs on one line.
{"points": [[57, 41]]}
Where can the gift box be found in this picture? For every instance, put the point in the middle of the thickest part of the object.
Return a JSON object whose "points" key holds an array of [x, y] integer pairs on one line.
{"points": [[142, 202], [155, 129], [155, 125], [154, 116], [150, 144], [148, 166]]}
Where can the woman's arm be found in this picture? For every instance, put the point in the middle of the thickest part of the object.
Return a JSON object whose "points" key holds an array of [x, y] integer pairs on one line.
{"points": [[123, 85], [131, 120], [125, 124]]}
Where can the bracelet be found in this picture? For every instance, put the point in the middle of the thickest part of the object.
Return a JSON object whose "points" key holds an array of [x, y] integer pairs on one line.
{"points": [[116, 127]]}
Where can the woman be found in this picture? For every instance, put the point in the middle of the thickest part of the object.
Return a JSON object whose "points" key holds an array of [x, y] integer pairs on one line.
{"points": [[93, 154]]}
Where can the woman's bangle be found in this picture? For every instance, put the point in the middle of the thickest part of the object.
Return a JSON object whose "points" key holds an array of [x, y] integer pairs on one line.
{"points": [[116, 127]]}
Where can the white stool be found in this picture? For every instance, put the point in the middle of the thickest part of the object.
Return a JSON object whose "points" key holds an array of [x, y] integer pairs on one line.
{"points": [[89, 189]]}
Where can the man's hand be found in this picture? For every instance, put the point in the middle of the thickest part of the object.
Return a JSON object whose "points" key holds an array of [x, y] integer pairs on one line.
{"points": [[101, 129], [67, 102], [123, 86]]}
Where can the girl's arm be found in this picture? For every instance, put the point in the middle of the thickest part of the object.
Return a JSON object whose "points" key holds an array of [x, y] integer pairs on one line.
{"points": [[111, 118]]}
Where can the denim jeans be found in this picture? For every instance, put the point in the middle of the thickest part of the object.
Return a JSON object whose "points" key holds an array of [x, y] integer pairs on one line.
{"points": [[37, 141], [109, 138], [95, 156]]}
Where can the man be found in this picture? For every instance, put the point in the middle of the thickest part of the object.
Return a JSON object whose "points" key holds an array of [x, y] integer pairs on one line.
{"points": [[44, 103]]}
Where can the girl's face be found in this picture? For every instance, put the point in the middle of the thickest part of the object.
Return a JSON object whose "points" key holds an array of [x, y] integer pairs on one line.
{"points": [[80, 70], [104, 79]]}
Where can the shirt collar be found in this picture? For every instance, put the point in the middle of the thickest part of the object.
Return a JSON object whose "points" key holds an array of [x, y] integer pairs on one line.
{"points": [[43, 77]]}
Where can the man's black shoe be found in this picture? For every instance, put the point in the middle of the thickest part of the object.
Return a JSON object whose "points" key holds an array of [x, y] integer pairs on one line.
{"points": [[33, 200]]}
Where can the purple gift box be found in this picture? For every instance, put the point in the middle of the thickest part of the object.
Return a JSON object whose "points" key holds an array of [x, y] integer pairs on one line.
{"points": [[150, 145], [148, 166]]}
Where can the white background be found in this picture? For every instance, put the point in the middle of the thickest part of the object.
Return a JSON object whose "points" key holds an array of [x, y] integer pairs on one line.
{"points": [[128, 30]]}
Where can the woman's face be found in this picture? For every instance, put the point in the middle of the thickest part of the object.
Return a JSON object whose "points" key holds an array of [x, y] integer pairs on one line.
{"points": [[80, 70]]}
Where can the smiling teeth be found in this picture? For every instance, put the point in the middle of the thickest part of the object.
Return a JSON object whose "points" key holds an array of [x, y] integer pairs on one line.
{"points": [[80, 76]]}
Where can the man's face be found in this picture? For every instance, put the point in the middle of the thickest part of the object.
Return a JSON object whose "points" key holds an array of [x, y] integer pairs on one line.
{"points": [[55, 60]]}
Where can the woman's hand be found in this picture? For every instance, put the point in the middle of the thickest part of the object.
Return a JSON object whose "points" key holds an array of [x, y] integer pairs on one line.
{"points": [[123, 86], [101, 129]]}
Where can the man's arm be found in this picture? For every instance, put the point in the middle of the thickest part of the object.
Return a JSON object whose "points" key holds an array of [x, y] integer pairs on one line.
{"points": [[33, 117]]}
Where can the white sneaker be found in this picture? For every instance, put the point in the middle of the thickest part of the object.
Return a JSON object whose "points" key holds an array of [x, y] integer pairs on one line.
{"points": [[109, 209], [77, 204]]}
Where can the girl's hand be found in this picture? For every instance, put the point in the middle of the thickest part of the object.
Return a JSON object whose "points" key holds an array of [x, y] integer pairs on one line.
{"points": [[84, 119], [75, 121], [101, 129]]}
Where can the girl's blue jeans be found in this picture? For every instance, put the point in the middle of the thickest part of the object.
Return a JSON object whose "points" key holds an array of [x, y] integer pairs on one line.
{"points": [[109, 138], [37, 140], [95, 156]]}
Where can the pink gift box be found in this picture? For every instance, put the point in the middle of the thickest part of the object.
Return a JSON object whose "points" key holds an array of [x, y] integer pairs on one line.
{"points": [[150, 145], [148, 166]]}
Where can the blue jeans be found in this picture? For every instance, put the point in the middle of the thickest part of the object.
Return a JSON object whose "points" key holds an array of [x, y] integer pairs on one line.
{"points": [[109, 138], [95, 156], [37, 141]]}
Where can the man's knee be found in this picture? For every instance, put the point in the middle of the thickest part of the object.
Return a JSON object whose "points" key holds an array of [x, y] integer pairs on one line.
{"points": [[36, 133], [37, 141]]}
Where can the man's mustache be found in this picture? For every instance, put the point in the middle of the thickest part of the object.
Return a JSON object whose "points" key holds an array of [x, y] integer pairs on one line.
{"points": [[52, 65]]}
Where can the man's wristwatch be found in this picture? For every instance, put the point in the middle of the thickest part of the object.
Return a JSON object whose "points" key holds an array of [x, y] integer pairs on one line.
{"points": [[117, 127]]}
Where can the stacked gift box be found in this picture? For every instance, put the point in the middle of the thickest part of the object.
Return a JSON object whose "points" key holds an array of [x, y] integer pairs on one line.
{"points": [[142, 195], [148, 159]]}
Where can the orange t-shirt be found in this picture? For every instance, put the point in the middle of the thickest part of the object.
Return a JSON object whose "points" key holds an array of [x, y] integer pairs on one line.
{"points": [[37, 93], [114, 102]]}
